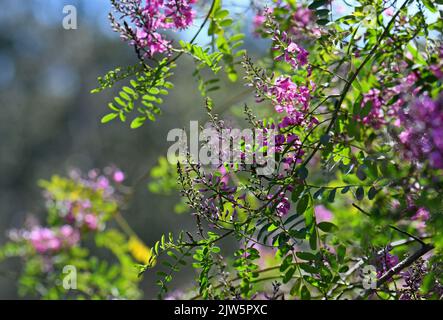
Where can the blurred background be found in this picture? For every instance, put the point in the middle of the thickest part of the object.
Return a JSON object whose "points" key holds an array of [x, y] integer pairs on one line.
{"points": [[50, 122]]}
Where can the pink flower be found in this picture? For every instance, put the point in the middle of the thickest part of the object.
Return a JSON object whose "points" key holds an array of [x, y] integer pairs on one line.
{"points": [[102, 183], [156, 16], [376, 116], [437, 71], [118, 176], [69, 235], [91, 221], [291, 52], [44, 240], [389, 12], [287, 94], [322, 214], [303, 17], [225, 175], [422, 214], [258, 20]]}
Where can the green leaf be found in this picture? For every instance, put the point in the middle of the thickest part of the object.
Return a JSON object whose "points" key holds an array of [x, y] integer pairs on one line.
{"points": [[306, 256], [109, 117], [313, 239], [297, 234], [361, 174], [428, 4], [154, 91], [327, 226], [297, 192], [120, 101], [226, 23], [288, 275], [341, 252], [360, 193], [345, 189], [138, 122], [331, 196], [112, 107], [286, 263], [308, 268], [221, 14], [296, 287], [317, 4], [302, 204], [323, 22], [291, 218], [318, 193], [305, 294], [322, 12], [302, 173], [372, 193], [324, 139]]}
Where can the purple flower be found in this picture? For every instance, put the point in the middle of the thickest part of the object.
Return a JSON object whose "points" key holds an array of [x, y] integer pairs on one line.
{"points": [[422, 135], [437, 71], [422, 215], [290, 52], [283, 207], [385, 261], [302, 17]]}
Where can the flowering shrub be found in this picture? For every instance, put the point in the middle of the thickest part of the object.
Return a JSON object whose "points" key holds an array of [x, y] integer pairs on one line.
{"points": [[354, 95], [78, 209]]}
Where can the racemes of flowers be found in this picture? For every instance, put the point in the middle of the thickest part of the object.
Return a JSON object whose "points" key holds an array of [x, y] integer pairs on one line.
{"points": [[299, 21], [285, 95], [79, 208], [422, 134], [147, 20], [74, 209]]}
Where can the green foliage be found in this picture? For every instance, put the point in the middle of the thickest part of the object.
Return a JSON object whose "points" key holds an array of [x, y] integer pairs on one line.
{"points": [[143, 94]]}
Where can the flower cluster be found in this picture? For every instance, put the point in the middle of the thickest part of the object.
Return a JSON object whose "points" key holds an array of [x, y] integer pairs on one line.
{"points": [[290, 51], [283, 205], [385, 261], [75, 205], [382, 105], [420, 217], [287, 95], [422, 135], [413, 278], [46, 240], [302, 21], [375, 116], [150, 19]]}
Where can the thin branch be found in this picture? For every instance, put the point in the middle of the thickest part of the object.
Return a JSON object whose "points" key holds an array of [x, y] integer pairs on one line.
{"points": [[425, 248]]}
